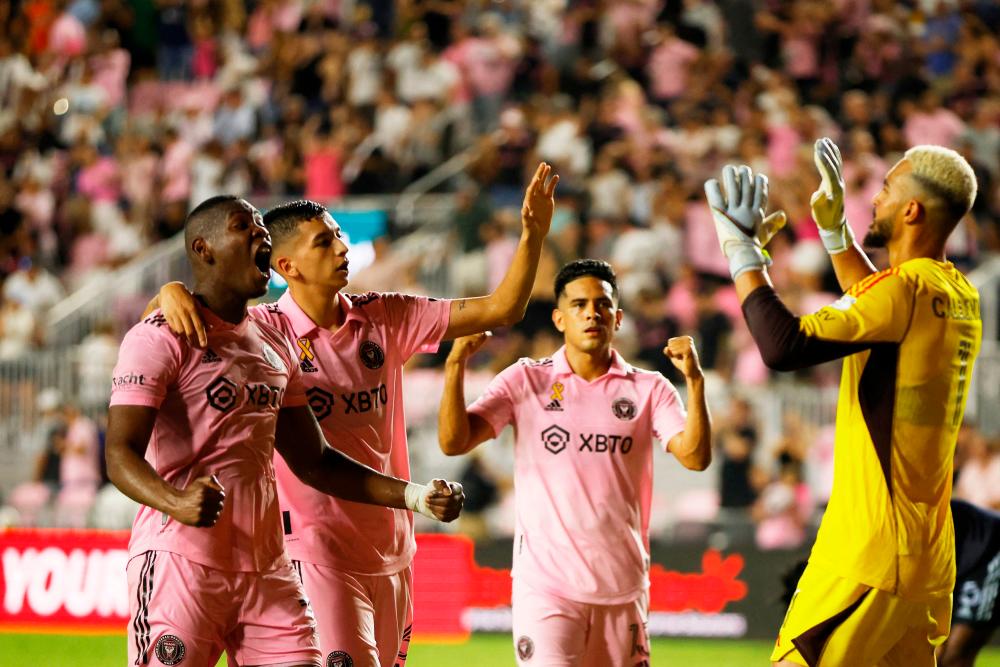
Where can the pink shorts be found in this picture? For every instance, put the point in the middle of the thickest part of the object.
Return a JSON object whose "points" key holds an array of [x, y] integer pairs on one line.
{"points": [[363, 621], [185, 613], [551, 631]]}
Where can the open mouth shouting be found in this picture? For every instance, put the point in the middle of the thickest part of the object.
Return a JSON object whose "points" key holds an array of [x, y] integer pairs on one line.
{"points": [[262, 259]]}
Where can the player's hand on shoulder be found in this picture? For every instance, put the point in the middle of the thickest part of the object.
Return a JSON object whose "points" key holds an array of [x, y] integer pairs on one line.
{"points": [[683, 354], [539, 200], [180, 309], [444, 499], [466, 346], [200, 503]]}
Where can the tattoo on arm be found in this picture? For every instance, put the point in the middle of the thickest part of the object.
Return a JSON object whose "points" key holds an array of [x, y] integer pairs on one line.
{"points": [[461, 304]]}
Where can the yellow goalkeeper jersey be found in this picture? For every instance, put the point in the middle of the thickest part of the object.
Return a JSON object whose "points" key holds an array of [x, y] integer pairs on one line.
{"points": [[888, 524]]}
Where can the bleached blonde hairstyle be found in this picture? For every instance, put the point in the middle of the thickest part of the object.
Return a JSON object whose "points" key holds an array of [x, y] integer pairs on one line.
{"points": [[944, 174]]}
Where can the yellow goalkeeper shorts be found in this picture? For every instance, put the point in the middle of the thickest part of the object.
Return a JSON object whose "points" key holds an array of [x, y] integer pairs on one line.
{"points": [[834, 622]]}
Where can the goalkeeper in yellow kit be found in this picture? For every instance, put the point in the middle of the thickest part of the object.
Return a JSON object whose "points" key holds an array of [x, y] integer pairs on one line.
{"points": [[877, 590]]}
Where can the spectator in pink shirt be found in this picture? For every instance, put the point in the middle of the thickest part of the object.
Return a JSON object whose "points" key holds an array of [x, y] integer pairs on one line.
{"points": [[98, 179], [79, 469], [669, 65], [489, 63], [323, 158], [928, 122], [175, 168]]}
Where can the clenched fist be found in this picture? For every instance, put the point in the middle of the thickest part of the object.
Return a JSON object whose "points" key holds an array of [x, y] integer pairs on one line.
{"points": [[440, 500], [200, 504], [466, 346], [682, 354]]}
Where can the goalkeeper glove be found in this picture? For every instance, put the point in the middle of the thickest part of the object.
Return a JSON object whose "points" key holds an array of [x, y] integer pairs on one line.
{"points": [[827, 202], [739, 218]]}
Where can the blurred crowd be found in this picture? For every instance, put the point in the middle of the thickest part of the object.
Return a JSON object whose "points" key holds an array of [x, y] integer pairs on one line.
{"points": [[117, 116]]}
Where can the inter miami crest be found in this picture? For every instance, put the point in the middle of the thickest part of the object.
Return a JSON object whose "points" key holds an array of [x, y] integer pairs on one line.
{"points": [[339, 659], [624, 409], [371, 354], [525, 647], [306, 355], [272, 358], [169, 650]]}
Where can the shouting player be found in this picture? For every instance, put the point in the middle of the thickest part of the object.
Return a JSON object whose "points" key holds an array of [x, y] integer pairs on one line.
{"points": [[584, 423], [191, 435], [355, 559], [880, 576]]}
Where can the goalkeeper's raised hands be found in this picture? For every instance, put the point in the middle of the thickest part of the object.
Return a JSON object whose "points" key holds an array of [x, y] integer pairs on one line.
{"points": [[827, 202], [738, 214]]}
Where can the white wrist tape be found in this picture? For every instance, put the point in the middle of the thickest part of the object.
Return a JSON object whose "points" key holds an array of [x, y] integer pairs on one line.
{"points": [[416, 499]]}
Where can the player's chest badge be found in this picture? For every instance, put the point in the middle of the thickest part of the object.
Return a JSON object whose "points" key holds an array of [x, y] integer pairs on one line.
{"points": [[624, 409], [272, 358], [372, 355], [307, 356], [556, 397]]}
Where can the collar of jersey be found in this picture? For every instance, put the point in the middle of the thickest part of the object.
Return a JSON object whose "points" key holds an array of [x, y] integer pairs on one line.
{"points": [[560, 365], [302, 324], [215, 323]]}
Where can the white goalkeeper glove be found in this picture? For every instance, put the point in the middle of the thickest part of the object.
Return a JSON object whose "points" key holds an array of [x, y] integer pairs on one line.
{"points": [[740, 224], [827, 202], [440, 500]]}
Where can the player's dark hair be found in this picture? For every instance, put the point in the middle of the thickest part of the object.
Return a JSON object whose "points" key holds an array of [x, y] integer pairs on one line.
{"points": [[284, 219], [207, 217], [586, 267]]}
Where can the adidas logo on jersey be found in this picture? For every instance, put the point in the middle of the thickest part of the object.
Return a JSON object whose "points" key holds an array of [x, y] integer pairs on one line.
{"points": [[554, 406], [210, 357], [307, 366]]}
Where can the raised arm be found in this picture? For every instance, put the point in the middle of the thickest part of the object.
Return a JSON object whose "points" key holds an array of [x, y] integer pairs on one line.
{"points": [[300, 442], [458, 431], [875, 310], [849, 261], [129, 428], [506, 305], [692, 446]]}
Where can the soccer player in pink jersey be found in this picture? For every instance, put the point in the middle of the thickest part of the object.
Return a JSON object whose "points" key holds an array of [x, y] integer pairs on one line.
{"points": [[584, 422], [191, 435], [355, 559]]}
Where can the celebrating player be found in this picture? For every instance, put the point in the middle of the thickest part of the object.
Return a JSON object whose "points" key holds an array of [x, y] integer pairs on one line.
{"points": [[879, 580], [191, 435], [584, 423], [354, 559]]}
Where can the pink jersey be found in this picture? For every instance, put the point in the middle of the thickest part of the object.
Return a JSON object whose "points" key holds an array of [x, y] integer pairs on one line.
{"points": [[217, 413], [354, 380], [583, 470]]}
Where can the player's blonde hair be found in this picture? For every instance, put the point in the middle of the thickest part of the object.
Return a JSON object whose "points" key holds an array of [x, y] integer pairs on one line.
{"points": [[944, 174]]}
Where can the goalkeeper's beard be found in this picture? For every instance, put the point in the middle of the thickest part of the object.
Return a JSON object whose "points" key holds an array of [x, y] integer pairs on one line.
{"points": [[878, 234]]}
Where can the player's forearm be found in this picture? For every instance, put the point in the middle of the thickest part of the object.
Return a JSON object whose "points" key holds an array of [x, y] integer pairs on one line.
{"points": [[696, 445], [339, 475], [510, 299], [134, 477], [453, 417], [783, 345], [851, 266]]}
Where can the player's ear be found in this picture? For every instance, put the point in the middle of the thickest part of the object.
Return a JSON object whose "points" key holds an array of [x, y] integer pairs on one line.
{"points": [[286, 267], [558, 320], [619, 314], [202, 250], [913, 212]]}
